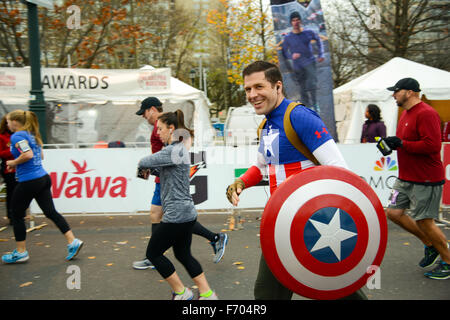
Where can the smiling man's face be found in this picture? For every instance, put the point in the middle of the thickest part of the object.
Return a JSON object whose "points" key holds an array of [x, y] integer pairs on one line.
{"points": [[261, 94]]}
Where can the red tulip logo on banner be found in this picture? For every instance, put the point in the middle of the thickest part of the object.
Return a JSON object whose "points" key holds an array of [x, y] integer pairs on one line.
{"points": [[322, 230]]}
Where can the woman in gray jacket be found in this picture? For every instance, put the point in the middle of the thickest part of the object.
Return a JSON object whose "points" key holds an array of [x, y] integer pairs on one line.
{"points": [[180, 215]]}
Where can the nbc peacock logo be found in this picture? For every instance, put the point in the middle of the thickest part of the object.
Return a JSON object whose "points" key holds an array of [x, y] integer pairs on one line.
{"points": [[385, 163]]}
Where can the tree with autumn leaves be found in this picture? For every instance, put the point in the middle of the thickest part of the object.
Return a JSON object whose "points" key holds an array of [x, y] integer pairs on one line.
{"points": [[112, 34], [247, 30], [414, 29], [364, 37], [119, 34], [244, 34], [104, 27]]}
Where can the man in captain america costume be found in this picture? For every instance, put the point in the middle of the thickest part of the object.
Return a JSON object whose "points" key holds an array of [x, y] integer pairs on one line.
{"points": [[277, 157]]}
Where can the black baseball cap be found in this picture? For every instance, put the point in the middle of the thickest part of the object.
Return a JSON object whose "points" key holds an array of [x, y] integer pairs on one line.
{"points": [[147, 103], [407, 84]]}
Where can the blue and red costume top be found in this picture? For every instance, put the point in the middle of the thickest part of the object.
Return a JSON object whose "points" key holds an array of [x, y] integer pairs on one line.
{"points": [[278, 158]]}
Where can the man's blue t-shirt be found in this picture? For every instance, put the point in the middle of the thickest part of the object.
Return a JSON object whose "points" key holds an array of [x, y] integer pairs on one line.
{"points": [[301, 43], [33, 168]]}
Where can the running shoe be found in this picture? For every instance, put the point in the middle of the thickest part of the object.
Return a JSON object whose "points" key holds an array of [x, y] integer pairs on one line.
{"points": [[186, 295], [213, 245], [15, 257], [211, 297], [441, 272], [221, 244], [430, 257], [143, 264], [74, 248]]}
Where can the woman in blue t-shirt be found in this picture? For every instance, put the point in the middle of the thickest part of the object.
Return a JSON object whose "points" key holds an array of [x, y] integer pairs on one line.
{"points": [[33, 183]]}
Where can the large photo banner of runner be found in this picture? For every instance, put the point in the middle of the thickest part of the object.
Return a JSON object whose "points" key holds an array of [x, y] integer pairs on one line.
{"points": [[304, 56]]}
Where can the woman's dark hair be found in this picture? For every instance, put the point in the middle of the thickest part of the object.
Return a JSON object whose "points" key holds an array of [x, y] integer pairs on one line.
{"points": [[374, 112], [177, 120], [4, 126]]}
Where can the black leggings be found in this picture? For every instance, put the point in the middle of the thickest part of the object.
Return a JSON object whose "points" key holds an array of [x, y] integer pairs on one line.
{"points": [[24, 193], [178, 236], [199, 230], [10, 181], [205, 233]]}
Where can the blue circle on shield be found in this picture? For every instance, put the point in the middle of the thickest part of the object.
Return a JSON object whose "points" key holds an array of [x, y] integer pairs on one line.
{"points": [[330, 235]]}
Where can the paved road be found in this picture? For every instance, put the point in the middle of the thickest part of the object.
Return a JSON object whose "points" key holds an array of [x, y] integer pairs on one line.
{"points": [[113, 242]]}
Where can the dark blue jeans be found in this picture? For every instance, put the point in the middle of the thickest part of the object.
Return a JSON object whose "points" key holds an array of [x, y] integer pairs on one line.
{"points": [[306, 78]]}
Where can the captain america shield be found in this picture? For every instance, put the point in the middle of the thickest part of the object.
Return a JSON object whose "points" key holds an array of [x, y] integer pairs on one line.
{"points": [[323, 232]]}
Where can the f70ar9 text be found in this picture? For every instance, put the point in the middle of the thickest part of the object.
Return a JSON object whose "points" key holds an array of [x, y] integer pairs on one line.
{"points": [[254, 309]]}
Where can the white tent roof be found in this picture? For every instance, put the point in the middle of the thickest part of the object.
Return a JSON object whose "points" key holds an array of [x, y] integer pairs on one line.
{"points": [[434, 83], [96, 85], [100, 86], [352, 98]]}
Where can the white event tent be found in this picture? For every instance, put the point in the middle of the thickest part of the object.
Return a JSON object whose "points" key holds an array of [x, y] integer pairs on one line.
{"points": [[352, 98], [87, 105]]}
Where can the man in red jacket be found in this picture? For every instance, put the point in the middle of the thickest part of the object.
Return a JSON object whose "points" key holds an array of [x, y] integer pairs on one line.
{"points": [[421, 175]]}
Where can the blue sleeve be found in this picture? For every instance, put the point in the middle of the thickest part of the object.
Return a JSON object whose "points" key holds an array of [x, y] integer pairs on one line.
{"points": [[285, 49], [14, 139], [319, 44], [18, 136], [309, 127]]}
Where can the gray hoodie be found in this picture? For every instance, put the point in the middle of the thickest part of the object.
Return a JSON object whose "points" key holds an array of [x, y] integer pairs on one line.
{"points": [[173, 162]]}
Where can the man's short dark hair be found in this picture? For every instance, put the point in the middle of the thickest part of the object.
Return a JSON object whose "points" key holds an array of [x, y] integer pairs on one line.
{"points": [[293, 15], [271, 71]]}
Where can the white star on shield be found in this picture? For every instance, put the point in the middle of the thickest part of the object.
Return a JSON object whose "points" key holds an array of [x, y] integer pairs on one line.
{"points": [[331, 235]]}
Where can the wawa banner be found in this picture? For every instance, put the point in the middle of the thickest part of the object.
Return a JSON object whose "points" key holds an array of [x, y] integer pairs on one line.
{"points": [[104, 180]]}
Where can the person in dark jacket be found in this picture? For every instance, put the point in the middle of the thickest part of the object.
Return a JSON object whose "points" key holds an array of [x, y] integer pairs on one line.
{"points": [[373, 127]]}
